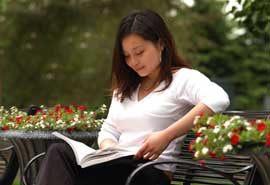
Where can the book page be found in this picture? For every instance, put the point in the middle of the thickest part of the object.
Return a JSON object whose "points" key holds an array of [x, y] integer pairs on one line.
{"points": [[80, 149], [87, 156], [97, 159]]}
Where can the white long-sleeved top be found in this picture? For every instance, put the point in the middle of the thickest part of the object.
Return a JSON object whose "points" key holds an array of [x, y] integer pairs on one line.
{"points": [[131, 121]]}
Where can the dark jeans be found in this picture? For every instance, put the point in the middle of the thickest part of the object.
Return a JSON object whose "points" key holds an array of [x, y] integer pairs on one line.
{"points": [[59, 168]]}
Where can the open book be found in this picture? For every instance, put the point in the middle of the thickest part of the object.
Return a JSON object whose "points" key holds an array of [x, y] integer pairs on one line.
{"points": [[87, 156]]}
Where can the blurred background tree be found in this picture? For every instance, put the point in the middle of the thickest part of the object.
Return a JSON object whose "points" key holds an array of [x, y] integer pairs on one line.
{"points": [[253, 18], [60, 51], [254, 15]]}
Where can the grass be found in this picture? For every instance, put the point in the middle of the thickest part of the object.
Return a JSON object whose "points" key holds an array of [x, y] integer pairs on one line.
{"points": [[16, 180]]}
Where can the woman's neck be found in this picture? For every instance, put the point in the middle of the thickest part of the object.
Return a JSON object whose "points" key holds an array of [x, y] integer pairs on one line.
{"points": [[151, 81]]}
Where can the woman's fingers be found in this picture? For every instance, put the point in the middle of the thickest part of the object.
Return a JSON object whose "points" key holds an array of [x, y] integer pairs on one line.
{"points": [[147, 153], [151, 156], [152, 147], [141, 152]]}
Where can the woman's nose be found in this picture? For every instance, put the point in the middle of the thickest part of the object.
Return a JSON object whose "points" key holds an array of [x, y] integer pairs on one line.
{"points": [[134, 61]]}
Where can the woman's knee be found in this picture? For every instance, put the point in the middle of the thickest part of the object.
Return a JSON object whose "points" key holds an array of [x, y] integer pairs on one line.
{"points": [[58, 148]]}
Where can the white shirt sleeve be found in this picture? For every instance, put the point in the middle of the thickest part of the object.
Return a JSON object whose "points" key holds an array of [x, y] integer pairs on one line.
{"points": [[197, 88], [109, 129]]}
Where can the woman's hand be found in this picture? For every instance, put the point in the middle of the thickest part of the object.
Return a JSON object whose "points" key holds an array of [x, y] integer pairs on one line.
{"points": [[157, 142], [107, 143], [153, 145]]}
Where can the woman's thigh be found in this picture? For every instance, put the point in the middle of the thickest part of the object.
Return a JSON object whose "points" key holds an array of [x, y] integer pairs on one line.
{"points": [[116, 172]]}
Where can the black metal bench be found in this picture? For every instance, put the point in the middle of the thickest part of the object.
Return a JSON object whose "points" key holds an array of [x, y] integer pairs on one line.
{"points": [[236, 169], [30, 157], [9, 165]]}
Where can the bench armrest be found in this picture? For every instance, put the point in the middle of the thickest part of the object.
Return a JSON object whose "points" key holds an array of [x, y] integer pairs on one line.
{"points": [[6, 148], [27, 166], [226, 174]]}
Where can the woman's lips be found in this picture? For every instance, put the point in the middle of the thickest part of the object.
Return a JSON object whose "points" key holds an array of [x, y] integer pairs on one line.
{"points": [[139, 68]]}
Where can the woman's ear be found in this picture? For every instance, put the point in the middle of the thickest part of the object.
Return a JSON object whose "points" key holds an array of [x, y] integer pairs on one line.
{"points": [[160, 45]]}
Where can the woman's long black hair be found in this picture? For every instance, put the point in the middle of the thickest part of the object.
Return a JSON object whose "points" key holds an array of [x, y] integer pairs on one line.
{"points": [[150, 26]]}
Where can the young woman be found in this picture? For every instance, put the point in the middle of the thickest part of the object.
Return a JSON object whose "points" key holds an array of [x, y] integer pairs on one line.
{"points": [[156, 96]]}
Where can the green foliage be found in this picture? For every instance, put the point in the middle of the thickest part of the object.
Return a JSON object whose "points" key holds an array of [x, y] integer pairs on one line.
{"points": [[255, 15], [60, 51], [3, 4]]}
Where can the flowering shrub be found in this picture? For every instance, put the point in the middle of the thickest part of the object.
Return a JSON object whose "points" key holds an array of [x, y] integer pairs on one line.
{"points": [[221, 134], [68, 118]]}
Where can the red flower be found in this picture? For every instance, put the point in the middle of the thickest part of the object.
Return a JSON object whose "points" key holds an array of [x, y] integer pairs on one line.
{"points": [[57, 108], [198, 134], [234, 139], [82, 107], [5, 128], [18, 119], [236, 131], [212, 125], [39, 110], [201, 115], [212, 154], [191, 145], [70, 129], [68, 110], [261, 126], [57, 118], [205, 141], [267, 142], [201, 162]]}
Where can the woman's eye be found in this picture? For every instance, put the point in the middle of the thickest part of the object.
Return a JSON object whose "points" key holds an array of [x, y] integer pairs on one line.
{"points": [[139, 53]]}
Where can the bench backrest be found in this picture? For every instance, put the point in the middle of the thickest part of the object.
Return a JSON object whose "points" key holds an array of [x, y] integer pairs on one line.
{"points": [[194, 175]]}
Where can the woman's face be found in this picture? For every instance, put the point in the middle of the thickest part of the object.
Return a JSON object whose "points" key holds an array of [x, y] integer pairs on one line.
{"points": [[141, 55]]}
